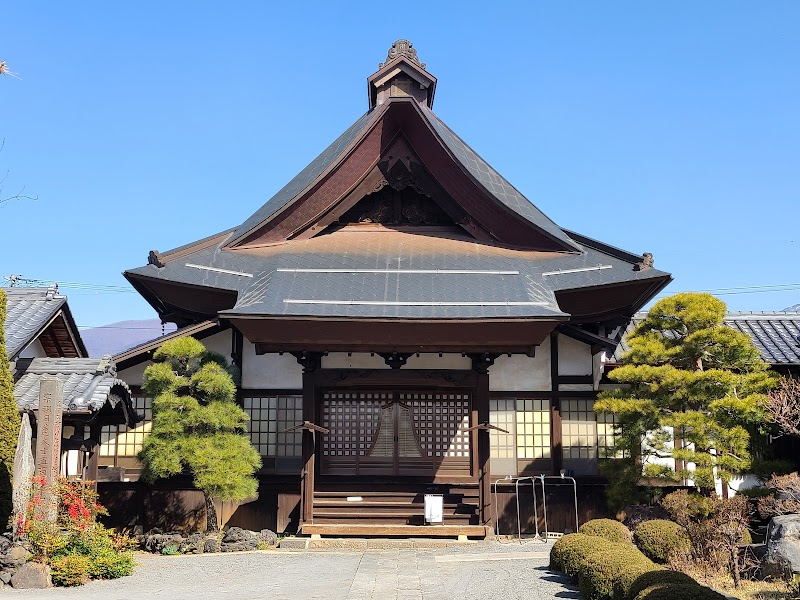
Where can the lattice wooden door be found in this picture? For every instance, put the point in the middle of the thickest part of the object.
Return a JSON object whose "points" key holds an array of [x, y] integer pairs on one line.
{"points": [[395, 433]]}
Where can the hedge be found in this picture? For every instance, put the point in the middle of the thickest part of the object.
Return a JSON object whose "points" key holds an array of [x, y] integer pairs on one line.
{"points": [[659, 539], [613, 531], [607, 570]]}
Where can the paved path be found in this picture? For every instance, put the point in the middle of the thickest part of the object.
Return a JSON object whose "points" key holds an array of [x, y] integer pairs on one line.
{"points": [[492, 571]]}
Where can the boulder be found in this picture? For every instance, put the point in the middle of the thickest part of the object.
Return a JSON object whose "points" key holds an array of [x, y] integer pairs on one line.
{"points": [[211, 545], [193, 544], [267, 537], [15, 556], [158, 541], [5, 577], [783, 546], [237, 539], [5, 544], [32, 576]]}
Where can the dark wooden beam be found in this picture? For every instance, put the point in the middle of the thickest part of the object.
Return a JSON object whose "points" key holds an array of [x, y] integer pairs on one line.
{"points": [[556, 437], [310, 361]]}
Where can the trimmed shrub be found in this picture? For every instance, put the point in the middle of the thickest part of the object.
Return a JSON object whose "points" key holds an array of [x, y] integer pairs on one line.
{"points": [[601, 571], [660, 539], [657, 579], [111, 565], [70, 570], [568, 551], [613, 531], [607, 570], [680, 591]]}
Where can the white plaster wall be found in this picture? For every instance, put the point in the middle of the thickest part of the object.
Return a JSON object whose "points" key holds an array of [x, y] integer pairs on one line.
{"points": [[574, 357], [33, 350], [576, 387], [434, 361], [134, 375], [220, 343], [520, 373], [270, 371], [357, 360]]}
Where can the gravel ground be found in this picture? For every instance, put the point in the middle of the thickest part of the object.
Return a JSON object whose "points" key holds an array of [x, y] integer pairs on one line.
{"points": [[485, 571]]}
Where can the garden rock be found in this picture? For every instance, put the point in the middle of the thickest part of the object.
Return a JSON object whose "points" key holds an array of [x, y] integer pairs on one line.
{"points": [[194, 544], [5, 577], [5, 544], [211, 545], [32, 576], [157, 542], [783, 546], [14, 557], [239, 540], [266, 536]]}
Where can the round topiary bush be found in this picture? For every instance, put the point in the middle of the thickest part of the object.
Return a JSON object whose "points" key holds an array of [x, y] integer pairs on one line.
{"points": [[657, 578], [660, 539], [568, 551], [680, 591], [70, 570], [602, 570], [613, 531]]}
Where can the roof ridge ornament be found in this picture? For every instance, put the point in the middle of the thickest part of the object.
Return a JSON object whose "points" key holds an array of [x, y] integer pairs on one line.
{"points": [[402, 48]]}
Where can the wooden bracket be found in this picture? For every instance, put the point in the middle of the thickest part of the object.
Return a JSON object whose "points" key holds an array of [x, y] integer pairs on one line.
{"points": [[307, 425], [485, 427]]}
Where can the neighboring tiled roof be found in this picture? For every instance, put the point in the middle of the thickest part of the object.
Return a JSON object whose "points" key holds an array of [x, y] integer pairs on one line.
{"points": [[88, 383], [29, 311], [775, 334], [144, 351]]}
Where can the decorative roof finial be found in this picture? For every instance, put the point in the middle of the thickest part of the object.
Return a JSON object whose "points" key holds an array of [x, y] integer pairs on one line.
{"points": [[402, 48]]}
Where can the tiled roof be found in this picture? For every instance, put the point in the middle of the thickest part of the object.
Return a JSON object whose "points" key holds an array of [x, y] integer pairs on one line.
{"points": [[305, 177], [144, 351], [775, 334], [266, 277], [493, 182], [88, 383], [29, 311]]}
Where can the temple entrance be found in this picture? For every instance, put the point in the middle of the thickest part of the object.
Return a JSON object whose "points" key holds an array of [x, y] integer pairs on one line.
{"points": [[381, 432]]}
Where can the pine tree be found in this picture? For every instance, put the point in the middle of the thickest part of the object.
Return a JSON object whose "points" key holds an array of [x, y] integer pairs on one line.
{"points": [[694, 390], [197, 426], [9, 421]]}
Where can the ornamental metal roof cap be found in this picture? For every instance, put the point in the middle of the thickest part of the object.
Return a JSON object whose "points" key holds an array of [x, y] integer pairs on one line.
{"points": [[401, 75]]}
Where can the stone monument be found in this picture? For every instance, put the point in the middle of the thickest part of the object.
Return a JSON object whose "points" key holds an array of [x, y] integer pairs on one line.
{"points": [[23, 473], [48, 443]]}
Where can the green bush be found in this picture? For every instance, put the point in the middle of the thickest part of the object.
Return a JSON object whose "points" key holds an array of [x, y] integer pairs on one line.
{"points": [[111, 565], [568, 551], [613, 531], [619, 570], [601, 572], [170, 550], [679, 592], [657, 579], [660, 539], [70, 570]]}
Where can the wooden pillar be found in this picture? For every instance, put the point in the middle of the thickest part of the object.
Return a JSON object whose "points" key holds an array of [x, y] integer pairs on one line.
{"points": [[480, 414], [557, 443], [94, 454], [310, 361]]}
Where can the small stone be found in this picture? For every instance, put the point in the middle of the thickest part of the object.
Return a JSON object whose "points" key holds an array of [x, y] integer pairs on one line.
{"points": [[32, 576]]}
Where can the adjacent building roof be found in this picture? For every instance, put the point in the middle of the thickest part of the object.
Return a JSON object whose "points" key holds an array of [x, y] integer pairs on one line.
{"points": [[144, 351], [89, 384], [30, 312], [775, 334]]}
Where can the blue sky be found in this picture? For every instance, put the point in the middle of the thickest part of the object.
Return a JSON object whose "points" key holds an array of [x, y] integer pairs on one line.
{"points": [[671, 128]]}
